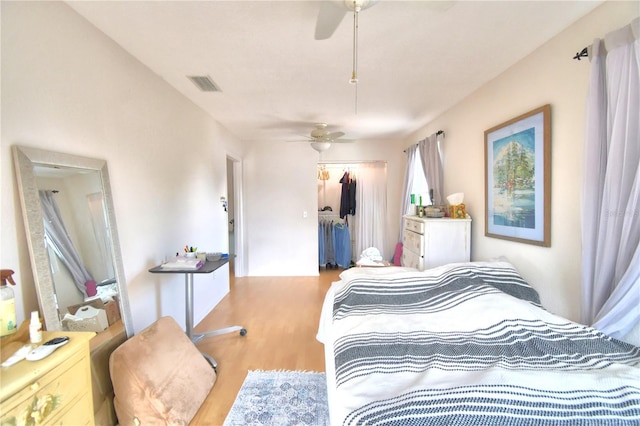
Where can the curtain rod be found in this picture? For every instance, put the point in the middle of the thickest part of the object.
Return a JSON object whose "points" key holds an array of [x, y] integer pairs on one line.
{"points": [[438, 133], [348, 162], [584, 53]]}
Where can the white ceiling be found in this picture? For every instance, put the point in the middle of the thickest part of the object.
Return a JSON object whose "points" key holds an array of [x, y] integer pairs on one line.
{"points": [[416, 59]]}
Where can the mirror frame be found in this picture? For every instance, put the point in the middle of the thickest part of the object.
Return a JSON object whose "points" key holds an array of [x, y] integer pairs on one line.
{"points": [[25, 158]]}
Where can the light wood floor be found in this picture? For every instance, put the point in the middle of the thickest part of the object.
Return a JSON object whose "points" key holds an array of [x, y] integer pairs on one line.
{"points": [[281, 315]]}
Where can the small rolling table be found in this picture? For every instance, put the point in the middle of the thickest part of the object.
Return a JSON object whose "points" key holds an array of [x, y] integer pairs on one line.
{"points": [[207, 268]]}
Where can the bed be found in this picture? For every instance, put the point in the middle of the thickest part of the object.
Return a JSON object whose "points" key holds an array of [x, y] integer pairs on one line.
{"points": [[467, 344]]}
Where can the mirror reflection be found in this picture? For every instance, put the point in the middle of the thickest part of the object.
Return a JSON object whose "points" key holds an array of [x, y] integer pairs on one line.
{"points": [[76, 236], [72, 238]]}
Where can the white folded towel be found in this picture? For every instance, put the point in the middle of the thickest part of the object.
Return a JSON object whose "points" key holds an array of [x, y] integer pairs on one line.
{"points": [[181, 263]]}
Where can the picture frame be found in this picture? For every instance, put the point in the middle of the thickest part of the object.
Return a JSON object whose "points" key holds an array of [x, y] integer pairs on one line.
{"points": [[518, 178]]}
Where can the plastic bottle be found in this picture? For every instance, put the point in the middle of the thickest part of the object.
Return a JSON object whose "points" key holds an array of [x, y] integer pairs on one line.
{"points": [[35, 328], [7, 304]]}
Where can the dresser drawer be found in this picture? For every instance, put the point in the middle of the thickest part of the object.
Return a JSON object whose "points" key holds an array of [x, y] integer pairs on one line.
{"points": [[412, 241], [412, 260], [414, 225], [48, 397], [77, 415], [436, 241]]}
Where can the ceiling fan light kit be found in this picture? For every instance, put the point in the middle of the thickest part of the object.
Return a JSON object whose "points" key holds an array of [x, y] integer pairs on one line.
{"points": [[321, 139], [321, 146]]}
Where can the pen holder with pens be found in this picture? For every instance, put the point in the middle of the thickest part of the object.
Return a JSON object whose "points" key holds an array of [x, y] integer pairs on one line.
{"points": [[190, 252]]}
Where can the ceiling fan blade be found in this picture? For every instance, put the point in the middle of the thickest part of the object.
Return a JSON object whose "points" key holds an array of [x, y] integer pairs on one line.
{"points": [[333, 136], [329, 18], [442, 5]]}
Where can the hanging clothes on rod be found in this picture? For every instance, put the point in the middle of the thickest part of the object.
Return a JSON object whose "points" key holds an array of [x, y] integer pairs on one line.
{"points": [[323, 173], [334, 241], [348, 195], [342, 244]]}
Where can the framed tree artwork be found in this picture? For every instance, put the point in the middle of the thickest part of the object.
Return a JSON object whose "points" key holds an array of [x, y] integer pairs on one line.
{"points": [[518, 178]]}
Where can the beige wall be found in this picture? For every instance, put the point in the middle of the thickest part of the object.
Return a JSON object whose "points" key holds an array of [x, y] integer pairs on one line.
{"points": [[281, 184], [67, 87], [547, 76]]}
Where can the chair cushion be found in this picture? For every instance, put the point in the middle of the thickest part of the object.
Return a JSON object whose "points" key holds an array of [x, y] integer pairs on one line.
{"points": [[159, 376]]}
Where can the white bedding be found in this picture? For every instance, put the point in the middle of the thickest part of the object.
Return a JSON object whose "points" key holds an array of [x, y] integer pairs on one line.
{"points": [[106, 293], [467, 344]]}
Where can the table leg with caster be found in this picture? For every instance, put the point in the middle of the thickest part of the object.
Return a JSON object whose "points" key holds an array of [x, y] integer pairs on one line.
{"points": [[196, 337]]}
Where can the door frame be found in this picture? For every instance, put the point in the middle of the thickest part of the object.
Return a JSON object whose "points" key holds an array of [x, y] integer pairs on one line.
{"points": [[238, 216]]}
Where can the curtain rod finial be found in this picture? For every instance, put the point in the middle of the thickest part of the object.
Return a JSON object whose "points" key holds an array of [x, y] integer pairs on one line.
{"points": [[582, 54]]}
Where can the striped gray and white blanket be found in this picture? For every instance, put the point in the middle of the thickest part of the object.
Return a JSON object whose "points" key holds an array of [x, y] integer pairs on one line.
{"points": [[469, 344]]}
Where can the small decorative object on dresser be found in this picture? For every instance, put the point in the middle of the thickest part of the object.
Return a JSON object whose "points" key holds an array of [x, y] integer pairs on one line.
{"points": [[431, 242]]}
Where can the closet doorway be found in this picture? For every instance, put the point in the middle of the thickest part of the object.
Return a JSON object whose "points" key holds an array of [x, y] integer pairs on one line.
{"points": [[368, 222]]}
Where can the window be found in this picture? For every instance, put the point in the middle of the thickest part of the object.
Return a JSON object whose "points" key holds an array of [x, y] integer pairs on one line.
{"points": [[420, 187]]}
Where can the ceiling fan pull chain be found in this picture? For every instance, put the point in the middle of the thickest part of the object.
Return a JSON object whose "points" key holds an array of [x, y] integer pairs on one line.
{"points": [[356, 107], [354, 73]]}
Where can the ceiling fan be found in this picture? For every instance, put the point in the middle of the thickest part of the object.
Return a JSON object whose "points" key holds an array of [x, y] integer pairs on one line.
{"points": [[332, 12], [321, 139], [330, 16]]}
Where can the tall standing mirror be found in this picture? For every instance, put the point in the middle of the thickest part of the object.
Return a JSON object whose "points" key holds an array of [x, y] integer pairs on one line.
{"points": [[71, 232]]}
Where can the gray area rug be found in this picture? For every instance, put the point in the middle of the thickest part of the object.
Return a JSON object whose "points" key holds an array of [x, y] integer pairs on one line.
{"points": [[282, 398]]}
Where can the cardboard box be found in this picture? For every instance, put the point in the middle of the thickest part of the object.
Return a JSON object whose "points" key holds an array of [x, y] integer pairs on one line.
{"points": [[112, 308]]}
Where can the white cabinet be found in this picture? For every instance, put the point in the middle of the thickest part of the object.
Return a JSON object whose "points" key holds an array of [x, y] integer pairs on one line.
{"points": [[427, 243]]}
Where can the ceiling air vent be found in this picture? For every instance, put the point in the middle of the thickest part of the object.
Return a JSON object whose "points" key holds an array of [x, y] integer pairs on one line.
{"points": [[204, 83]]}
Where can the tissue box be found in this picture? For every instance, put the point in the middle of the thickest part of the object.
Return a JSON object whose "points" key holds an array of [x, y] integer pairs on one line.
{"points": [[91, 319], [458, 211]]}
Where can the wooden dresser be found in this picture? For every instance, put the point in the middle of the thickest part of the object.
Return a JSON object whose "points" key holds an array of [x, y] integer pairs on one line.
{"points": [[54, 390], [427, 243]]}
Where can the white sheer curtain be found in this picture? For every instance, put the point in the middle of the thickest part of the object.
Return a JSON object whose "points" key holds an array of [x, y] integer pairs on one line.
{"points": [[101, 233], [59, 239], [432, 166], [611, 190], [371, 211], [405, 201]]}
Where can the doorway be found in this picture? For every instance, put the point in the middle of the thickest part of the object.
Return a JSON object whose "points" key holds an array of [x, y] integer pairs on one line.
{"points": [[234, 216], [367, 227]]}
